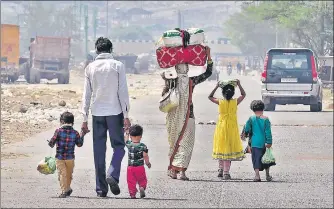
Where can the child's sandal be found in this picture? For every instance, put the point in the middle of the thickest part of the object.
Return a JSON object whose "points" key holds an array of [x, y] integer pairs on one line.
{"points": [[142, 192], [220, 173], [227, 177]]}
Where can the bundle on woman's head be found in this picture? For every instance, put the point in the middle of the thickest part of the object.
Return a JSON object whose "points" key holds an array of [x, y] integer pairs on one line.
{"points": [[185, 37]]}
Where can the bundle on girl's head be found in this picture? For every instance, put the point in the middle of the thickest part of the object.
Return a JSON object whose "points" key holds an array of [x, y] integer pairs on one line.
{"points": [[228, 88]]}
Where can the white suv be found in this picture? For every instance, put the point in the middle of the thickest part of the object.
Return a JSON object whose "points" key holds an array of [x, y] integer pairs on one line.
{"points": [[290, 77]]}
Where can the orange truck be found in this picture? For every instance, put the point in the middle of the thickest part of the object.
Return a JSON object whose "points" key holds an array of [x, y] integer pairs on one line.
{"points": [[10, 52]]}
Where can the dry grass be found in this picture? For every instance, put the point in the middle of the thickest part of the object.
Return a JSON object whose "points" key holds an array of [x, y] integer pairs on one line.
{"points": [[41, 101], [328, 99]]}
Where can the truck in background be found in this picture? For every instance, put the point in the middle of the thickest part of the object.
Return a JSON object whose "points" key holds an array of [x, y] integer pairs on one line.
{"points": [[129, 60], [10, 52], [49, 59]]}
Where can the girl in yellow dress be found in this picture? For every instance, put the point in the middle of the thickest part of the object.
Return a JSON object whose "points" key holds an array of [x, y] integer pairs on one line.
{"points": [[227, 145]]}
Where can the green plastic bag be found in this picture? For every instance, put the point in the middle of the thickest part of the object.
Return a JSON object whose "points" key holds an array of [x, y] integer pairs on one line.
{"points": [[47, 165], [268, 156], [51, 162]]}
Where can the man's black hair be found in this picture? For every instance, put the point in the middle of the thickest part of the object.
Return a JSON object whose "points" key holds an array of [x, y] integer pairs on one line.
{"points": [[136, 130], [103, 45], [228, 91], [67, 118], [257, 105]]}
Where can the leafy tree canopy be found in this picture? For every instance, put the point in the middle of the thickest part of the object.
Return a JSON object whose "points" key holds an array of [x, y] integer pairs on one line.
{"points": [[305, 23]]}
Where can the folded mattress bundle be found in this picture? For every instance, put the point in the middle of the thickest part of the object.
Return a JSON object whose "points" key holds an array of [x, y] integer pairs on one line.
{"points": [[172, 50], [173, 38]]}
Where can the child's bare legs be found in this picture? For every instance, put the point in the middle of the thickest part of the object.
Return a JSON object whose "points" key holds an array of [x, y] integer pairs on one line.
{"points": [[227, 166], [268, 176], [257, 174]]}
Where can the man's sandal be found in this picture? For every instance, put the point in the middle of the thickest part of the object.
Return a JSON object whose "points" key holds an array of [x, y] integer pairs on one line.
{"points": [[184, 178], [269, 178], [172, 174]]}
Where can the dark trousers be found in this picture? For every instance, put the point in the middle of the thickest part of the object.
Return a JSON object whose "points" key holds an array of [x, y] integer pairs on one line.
{"points": [[102, 124]]}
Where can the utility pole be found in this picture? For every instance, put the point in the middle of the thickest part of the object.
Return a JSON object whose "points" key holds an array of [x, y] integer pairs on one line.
{"points": [[322, 28], [179, 19], [18, 19], [86, 29], [74, 14], [276, 35], [80, 14], [94, 22], [107, 19]]}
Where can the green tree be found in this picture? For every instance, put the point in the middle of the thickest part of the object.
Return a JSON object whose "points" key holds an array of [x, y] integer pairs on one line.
{"points": [[45, 19], [310, 23], [253, 36]]}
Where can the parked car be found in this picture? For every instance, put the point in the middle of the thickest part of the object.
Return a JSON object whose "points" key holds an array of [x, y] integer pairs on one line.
{"points": [[290, 77]]}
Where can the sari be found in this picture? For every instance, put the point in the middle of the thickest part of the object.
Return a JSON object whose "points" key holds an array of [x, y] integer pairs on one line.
{"points": [[180, 122]]}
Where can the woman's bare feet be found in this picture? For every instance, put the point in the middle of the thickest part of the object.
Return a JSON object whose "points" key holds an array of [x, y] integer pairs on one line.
{"points": [[183, 176], [172, 174]]}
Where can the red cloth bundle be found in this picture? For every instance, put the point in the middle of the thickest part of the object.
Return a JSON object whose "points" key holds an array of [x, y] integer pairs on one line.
{"points": [[168, 57]]}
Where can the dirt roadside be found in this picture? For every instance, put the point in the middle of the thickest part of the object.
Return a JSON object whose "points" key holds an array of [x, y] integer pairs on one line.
{"points": [[28, 109], [328, 99]]}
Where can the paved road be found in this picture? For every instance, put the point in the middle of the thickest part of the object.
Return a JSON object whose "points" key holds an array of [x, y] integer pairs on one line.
{"points": [[303, 176]]}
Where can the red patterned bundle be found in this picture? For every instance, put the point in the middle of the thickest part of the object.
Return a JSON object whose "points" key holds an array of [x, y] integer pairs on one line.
{"points": [[170, 56]]}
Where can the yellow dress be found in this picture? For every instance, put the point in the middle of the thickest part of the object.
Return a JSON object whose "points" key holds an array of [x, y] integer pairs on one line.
{"points": [[227, 143]]}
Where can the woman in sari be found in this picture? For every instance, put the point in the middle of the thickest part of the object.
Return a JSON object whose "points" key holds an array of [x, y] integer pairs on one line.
{"points": [[180, 122]]}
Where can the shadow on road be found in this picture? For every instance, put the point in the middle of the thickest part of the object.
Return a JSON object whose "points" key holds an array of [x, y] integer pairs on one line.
{"points": [[237, 180], [300, 111], [124, 198]]}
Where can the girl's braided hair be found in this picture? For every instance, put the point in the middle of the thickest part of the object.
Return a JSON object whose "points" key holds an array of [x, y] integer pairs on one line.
{"points": [[185, 37]]}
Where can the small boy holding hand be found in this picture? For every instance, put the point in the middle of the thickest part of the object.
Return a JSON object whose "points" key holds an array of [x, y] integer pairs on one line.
{"points": [[137, 155]]}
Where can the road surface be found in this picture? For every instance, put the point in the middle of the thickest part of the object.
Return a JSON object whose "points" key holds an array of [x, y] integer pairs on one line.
{"points": [[303, 177]]}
